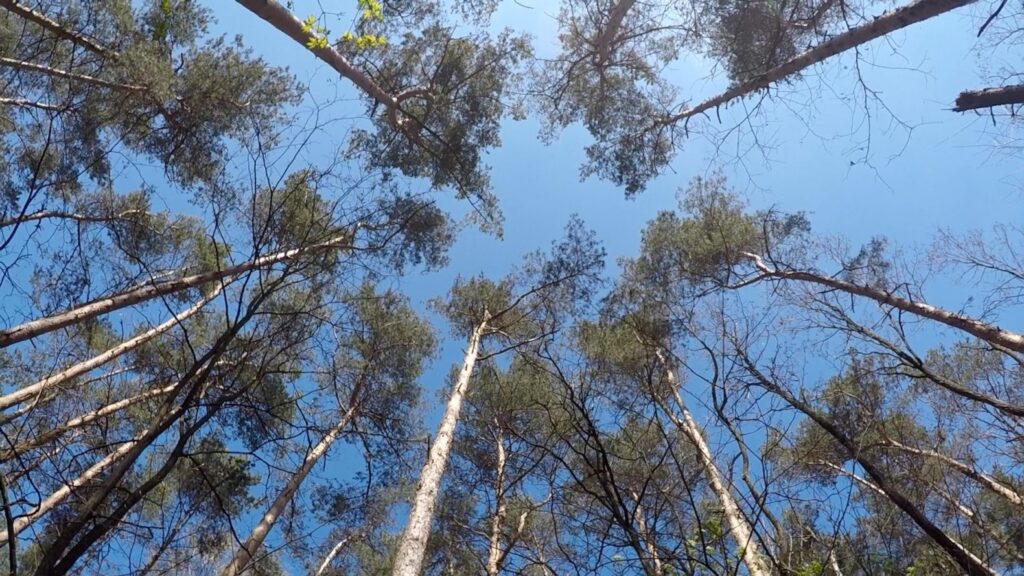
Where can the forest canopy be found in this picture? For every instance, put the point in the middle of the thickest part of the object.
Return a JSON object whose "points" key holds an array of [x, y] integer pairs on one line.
{"points": [[435, 287]]}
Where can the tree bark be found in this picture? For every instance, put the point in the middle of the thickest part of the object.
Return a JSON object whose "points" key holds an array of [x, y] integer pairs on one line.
{"points": [[971, 564], [53, 26], [982, 330], [252, 545], [989, 98], [82, 367], [494, 554], [334, 552], [281, 18], [739, 528], [876, 28], [134, 296], [412, 546]]}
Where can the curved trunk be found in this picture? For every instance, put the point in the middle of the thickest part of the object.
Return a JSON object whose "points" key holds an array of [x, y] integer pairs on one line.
{"points": [[409, 559]]}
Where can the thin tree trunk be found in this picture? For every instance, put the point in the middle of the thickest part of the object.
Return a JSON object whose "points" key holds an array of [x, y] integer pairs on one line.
{"points": [[134, 296], [83, 420], [983, 330], [649, 543], [971, 564], [64, 491], [252, 545], [981, 478], [606, 39], [739, 528], [53, 26], [44, 214], [876, 28], [334, 552], [55, 72], [411, 548], [82, 367], [494, 554], [989, 98]]}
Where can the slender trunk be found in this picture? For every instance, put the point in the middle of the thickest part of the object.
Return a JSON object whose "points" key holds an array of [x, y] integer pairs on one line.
{"points": [[989, 98], [64, 376], [876, 28], [971, 564], [739, 528], [334, 552], [58, 73], [64, 491], [252, 545], [409, 559], [649, 543], [83, 420], [63, 215], [38, 105], [43, 21], [982, 330], [494, 554], [134, 296], [981, 478]]}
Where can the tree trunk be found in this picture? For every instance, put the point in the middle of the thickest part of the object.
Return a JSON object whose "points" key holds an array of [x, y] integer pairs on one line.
{"points": [[54, 433], [649, 543], [64, 491], [96, 361], [411, 548], [971, 564], [983, 330], [989, 98], [134, 296], [252, 545], [281, 18], [605, 40], [494, 554], [739, 528], [334, 552], [876, 28]]}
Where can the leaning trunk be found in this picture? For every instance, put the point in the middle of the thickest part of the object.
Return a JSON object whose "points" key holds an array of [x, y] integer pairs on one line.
{"points": [[876, 28], [739, 528], [248, 550], [134, 296], [413, 544]]}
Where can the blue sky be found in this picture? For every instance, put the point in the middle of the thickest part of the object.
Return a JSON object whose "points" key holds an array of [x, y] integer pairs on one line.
{"points": [[910, 168]]}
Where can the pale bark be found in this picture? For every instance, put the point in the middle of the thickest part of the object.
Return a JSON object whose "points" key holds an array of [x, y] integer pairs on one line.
{"points": [[53, 26], [38, 388], [735, 521], [494, 554], [83, 420], [982, 330], [26, 103], [334, 552], [252, 545], [989, 98], [58, 73], [58, 496], [134, 296], [412, 546], [44, 214], [876, 28], [281, 18], [969, 471], [645, 533]]}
